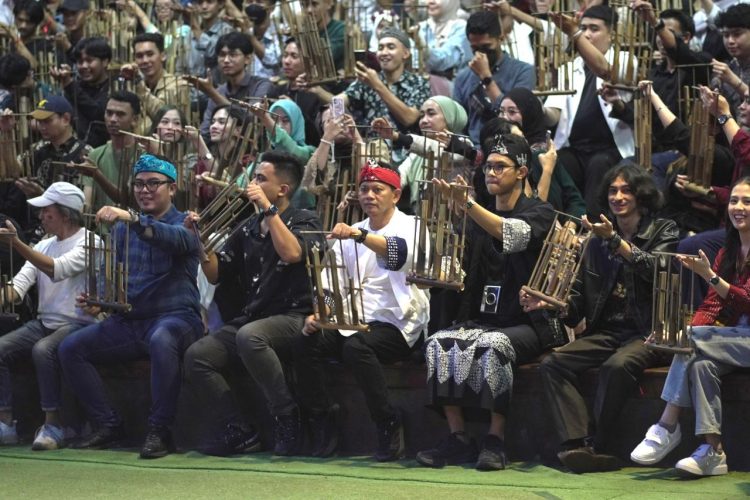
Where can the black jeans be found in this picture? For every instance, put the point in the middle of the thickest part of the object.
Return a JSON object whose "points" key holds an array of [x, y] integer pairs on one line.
{"points": [[363, 352], [260, 346], [621, 363]]}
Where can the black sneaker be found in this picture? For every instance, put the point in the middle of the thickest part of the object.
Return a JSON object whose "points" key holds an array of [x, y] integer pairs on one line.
{"points": [[324, 430], [390, 440], [158, 443], [287, 434], [452, 450], [104, 437], [585, 459], [234, 441], [492, 456]]}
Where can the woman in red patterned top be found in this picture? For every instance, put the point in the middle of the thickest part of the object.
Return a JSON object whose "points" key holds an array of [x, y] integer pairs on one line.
{"points": [[721, 338]]}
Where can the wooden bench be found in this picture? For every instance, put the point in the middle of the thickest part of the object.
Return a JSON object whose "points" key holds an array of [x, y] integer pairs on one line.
{"points": [[529, 436]]}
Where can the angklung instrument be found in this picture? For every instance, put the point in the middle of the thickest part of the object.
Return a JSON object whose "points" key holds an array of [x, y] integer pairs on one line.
{"points": [[336, 289], [671, 314], [107, 267], [559, 262], [439, 235], [315, 50], [7, 292]]}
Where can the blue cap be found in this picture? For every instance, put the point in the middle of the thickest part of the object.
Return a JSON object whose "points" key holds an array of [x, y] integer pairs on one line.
{"points": [[150, 163], [51, 105]]}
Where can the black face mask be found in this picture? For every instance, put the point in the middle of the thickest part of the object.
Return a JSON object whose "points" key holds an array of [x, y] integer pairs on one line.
{"points": [[492, 55]]}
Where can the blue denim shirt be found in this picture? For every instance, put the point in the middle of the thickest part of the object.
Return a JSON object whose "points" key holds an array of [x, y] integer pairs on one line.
{"points": [[162, 268], [468, 91]]}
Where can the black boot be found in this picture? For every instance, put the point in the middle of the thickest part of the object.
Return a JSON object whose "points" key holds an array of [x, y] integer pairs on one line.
{"points": [[104, 437], [324, 428], [288, 434], [390, 440], [456, 449], [492, 456], [234, 440], [159, 443]]}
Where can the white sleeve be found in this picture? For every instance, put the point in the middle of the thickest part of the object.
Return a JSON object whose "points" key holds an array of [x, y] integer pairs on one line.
{"points": [[25, 279], [71, 262]]}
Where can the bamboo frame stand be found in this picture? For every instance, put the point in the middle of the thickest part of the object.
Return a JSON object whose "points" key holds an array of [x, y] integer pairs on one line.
{"points": [[327, 274], [107, 269], [558, 263], [439, 238], [7, 293], [670, 323]]}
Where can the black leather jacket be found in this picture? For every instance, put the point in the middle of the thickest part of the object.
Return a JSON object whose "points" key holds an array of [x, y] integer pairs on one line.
{"points": [[599, 270]]}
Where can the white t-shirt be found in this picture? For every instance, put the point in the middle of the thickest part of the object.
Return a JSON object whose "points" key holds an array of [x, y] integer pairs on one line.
{"points": [[57, 296]]}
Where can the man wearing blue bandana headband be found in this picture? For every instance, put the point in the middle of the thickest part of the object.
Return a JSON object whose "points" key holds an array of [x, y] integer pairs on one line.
{"points": [[165, 316]]}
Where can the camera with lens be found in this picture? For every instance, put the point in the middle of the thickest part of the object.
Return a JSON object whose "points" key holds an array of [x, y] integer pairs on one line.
{"points": [[490, 299]]}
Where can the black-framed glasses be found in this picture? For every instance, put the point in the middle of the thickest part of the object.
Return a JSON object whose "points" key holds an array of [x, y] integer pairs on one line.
{"points": [[151, 185], [496, 168]]}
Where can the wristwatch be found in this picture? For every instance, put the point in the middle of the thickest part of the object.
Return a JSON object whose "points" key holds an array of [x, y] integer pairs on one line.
{"points": [[486, 81], [660, 25], [362, 236], [271, 211], [714, 280], [469, 203], [722, 119], [134, 216], [614, 242]]}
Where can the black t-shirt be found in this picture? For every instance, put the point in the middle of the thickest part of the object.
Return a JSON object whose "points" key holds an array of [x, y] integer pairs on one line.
{"points": [[47, 172], [266, 284], [590, 131]]}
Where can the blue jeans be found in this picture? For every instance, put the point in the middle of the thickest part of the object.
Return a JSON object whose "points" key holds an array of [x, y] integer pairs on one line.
{"points": [[42, 342], [695, 380], [116, 339]]}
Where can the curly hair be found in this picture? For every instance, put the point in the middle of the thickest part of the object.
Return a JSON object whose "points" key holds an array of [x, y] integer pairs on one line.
{"points": [[648, 198]]}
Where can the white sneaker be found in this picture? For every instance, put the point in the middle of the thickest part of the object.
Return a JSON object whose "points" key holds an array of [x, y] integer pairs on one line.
{"points": [[8, 433], [48, 437], [704, 461], [656, 445]]}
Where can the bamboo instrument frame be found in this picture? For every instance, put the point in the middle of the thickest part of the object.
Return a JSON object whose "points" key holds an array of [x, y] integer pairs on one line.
{"points": [[670, 318], [700, 160], [439, 237], [7, 292], [106, 271], [328, 275], [559, 261], [315, 50]]}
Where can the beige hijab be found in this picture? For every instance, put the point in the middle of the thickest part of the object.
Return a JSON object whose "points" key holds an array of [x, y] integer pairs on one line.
{"points": [[443, 23]]}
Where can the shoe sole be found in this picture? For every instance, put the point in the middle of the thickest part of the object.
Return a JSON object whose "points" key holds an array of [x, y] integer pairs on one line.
{"points": [[439, 465], [487, 465], [583, 462], [717, 471], [44, 447]]}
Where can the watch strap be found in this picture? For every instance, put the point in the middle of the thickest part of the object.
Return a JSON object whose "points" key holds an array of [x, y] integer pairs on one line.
{"points": [[362, 236], [486, 81]]}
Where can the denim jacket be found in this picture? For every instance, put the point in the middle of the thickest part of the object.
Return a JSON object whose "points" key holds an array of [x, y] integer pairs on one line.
{"points": [[600, 267]]}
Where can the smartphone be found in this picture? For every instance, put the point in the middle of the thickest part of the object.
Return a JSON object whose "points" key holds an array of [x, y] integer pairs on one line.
{"points": [[360, 56], [337, 106]]}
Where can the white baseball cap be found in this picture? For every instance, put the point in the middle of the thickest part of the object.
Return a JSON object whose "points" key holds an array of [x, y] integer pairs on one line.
{"points": [[62, 193]]}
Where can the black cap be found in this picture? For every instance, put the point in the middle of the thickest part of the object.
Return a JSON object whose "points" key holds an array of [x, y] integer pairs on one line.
{"points": [[74, 5]]}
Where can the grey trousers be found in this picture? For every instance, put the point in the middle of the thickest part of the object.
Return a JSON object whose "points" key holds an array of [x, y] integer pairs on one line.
{"points": [[260, 346], [695, 380]]}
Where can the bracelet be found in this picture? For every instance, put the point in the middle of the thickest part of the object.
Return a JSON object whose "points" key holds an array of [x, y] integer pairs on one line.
{"points": [[469, 203], [739, 85], [326, 142], [576, 35]]}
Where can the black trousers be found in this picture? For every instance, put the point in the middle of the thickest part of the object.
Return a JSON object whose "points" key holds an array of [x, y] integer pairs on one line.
{"points": [[621, 363], [587, 171], [363, 352]]}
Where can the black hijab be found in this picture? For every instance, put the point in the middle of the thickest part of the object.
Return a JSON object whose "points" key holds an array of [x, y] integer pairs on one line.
{"points": [[531, 111]]}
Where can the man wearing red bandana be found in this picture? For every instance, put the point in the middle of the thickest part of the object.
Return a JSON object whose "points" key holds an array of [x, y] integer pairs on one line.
{"points": [[396, 312]]}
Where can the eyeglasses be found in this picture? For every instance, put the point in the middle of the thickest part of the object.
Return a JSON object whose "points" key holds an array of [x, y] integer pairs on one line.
{"points": [[150, 185], [496, 168]]}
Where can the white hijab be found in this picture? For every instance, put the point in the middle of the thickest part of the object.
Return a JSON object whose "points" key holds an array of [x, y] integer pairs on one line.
{"points": [[442, 24]]}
